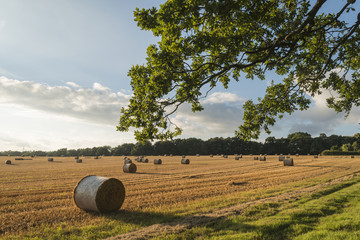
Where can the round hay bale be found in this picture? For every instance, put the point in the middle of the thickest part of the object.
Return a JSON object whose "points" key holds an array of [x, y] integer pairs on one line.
{"points": [[225, 156], [128, 160], [281, 158], [8, 162], [171, 155], [78, 160], [211, 155], [297, 154], [198, 155], [288, 162], [129, 168], [263, 158], [185, 161], [125, 158], [50, 159], [96, 157], [352, 156], [76, 157], [145, 160], [183, 156], [237, 158], [157, 161], [256, 158], [316, 156], [99, 194]]}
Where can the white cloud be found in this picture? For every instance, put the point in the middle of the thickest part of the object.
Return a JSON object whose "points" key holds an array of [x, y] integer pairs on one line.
{"points": [[223, 97], [98, 105], [221, 115], [101, 88], [72, 84]]}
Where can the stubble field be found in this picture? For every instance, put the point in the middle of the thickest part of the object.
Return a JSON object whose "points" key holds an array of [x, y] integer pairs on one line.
{"points": [[36, 196]]}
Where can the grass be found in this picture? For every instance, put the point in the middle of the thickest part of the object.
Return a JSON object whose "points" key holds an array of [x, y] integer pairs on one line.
{"points": [[329, 214]]}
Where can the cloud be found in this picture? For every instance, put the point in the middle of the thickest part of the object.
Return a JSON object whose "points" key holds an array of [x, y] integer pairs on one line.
{"points": [[72, 84], [223, 97], [98, 105], [319, 118], [221, 116]]}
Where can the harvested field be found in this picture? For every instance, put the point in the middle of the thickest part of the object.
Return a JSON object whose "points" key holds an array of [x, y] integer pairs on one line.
{"points": [[36, 192]]}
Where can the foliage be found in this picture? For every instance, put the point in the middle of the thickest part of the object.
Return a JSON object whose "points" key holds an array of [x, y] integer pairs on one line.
{"points": [[205, 43], [338, 153]]}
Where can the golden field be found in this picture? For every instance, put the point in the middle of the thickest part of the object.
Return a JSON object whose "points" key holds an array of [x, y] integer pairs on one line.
{"points": [[35, 192]]}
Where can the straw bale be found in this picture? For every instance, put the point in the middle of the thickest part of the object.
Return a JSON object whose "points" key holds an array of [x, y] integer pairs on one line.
{"points": [[129, 168], [157, 161], [185, 161], [100, 194], [289, 162]]}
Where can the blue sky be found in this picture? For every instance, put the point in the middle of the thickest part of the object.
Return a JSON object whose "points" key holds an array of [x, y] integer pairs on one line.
{"points": [[63, 79]]}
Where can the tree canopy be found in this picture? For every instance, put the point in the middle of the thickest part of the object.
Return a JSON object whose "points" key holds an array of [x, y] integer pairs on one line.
{"points": [[205, 43]]}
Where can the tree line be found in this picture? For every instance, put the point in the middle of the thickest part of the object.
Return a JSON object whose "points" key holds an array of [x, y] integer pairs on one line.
{"points": [[296, 143]]}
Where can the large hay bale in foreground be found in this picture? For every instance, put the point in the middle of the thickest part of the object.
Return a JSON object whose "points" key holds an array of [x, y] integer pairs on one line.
{"points": [[8, 162], [185, 161], [50, 159], [99, 194], [262, 158], [288, 162], [157, 161], [129, 168]]}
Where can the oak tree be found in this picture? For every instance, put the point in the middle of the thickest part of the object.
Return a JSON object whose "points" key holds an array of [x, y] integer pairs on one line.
{"points": [[205, 43]]}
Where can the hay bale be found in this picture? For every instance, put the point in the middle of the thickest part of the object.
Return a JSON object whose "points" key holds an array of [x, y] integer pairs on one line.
{"points": [[225, 156], [256, 158], [198, 155], [145, 160], [352, 156], [171, 155], [316, 156], [50, 159], [237, 158], [128, 160], [96, 157], [76, 157], [289, 162], [185, 161], [99, 194], [263, 158], [281, 158], [125, 158], [211, 155], [129, 168], [19, 158], [297, 154], [157, 161], [183, 156], [78, 160], [8, 162]]}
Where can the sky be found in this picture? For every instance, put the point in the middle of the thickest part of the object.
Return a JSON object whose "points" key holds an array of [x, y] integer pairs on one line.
{"points": [[63, 80]]}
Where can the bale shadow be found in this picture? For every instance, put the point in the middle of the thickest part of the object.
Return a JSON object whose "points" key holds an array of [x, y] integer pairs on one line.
{"points": [[152, 173]]}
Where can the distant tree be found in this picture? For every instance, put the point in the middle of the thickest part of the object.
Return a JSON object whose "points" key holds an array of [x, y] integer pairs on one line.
{"points": [[300, 142], [346, 147], [140, 148], [105, 150], [203, 44]]}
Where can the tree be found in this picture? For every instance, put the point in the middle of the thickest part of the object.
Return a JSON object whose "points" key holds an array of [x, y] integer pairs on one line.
{"points": [[204, 43]]}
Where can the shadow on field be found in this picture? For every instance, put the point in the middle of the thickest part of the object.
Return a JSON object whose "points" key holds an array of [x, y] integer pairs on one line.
{"points": [[139, 217], [152, 173], [321, 166]]}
